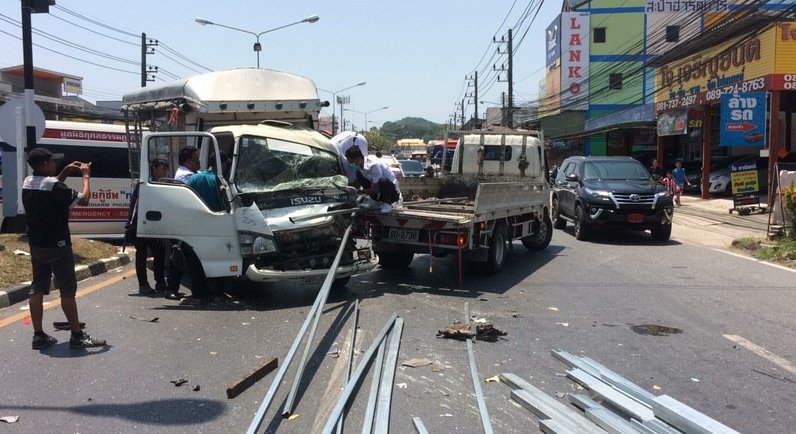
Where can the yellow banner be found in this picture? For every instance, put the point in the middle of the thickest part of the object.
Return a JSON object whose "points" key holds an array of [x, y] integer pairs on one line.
{"points": [[744, 182]]}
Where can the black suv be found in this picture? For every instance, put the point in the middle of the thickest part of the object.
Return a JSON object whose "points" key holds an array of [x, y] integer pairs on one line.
{"points": [[595, 191]]}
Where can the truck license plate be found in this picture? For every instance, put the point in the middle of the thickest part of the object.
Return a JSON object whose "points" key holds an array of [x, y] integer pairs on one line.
{"points": [[398, 234], [635, 218]]}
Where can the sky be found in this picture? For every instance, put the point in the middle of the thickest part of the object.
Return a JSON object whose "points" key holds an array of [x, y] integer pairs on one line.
{"points": [[413, 55]]}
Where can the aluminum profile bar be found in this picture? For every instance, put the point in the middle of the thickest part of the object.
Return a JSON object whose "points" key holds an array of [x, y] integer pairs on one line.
{"points": [[359, 374], [367, 425], [350, 358], [479, 392], [687, 419], [382, 424], [336, 212], [419, 427], [554, 426], [617, 398], [601, 416], [620, 382], [640, 427], [545, 407], [661, 427], [320, 300]]}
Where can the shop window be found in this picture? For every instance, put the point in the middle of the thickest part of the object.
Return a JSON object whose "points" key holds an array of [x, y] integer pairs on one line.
{"points": [[615, 81], [599, 34], [672, 33]]}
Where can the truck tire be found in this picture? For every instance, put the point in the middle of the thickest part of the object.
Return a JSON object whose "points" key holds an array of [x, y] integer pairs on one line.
{"points": [[396, 260], [496, 257], [541, 239], [582, 227], [558, 221], [662, 232]]}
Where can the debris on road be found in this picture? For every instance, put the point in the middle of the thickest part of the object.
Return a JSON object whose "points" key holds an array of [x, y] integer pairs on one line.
{"points": [[197, 388], [62, 325], [254, 376], [695, 379], [178, 382], [565, 324], [19, 252], [553, 308], [152, 319], [334, 353], [492, 379], [416, 363], [9, 419], [293, 416], [483, 332], [437, 367]]}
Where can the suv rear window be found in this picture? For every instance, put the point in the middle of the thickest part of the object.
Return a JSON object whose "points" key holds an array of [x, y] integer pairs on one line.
{"points": [[624, 169]]}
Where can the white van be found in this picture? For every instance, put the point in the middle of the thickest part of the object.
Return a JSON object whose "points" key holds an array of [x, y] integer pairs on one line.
{"points": [[105, 146]]}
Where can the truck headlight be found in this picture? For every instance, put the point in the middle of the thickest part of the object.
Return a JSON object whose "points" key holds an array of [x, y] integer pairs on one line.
{"points": [[255, 244], [263, 245]]}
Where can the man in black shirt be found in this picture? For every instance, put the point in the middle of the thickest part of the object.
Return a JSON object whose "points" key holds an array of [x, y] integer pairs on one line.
{"points": [[47, 201]]}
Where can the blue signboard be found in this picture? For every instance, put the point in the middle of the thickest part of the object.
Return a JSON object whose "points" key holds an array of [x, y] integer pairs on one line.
{"points": [[553, 41], [743, 119]]}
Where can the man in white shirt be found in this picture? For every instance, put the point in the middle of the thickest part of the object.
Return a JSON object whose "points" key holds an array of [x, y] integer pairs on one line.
{"points": [[375, 178], [343, 142], [189, 164]]}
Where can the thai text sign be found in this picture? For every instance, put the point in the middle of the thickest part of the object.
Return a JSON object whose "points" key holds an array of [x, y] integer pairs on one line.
{"points": [[745, 185], [743, 119], [673, 6], [575, 61]]}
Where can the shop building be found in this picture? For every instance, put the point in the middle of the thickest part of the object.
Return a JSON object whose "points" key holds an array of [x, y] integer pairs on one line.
{"points": [[754, 56]]}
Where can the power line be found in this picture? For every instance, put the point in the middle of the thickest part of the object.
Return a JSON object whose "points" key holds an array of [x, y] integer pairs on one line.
{"points": [[95, 22], [93, 31]]}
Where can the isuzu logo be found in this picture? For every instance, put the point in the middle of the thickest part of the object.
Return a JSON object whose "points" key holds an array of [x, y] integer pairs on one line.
{"points": [[635, 197], [306, 200]]}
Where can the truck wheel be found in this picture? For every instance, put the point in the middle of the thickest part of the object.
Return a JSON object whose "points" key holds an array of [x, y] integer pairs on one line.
{"points": [[541, 239], [582, 227], [662, 232], [496, 257], [558, 221], [396, 260]]}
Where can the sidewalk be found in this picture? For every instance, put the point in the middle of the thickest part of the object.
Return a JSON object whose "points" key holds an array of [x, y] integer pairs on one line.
{"points": [[709, 222]]}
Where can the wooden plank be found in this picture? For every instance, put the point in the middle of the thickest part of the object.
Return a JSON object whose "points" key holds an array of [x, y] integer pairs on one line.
{"points": [[617, 398], [687, 419], [244, 383]]}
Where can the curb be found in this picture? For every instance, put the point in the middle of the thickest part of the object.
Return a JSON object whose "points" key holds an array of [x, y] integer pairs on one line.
{"points": [[17, 293]]}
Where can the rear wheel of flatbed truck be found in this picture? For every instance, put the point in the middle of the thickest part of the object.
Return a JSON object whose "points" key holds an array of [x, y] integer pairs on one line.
{"points": [[541, 239], [496, 257], [398, 259]]}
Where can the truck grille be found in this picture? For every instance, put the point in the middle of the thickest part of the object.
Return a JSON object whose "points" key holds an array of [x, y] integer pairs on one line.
{"points": [[626, 200], [309, 249]]}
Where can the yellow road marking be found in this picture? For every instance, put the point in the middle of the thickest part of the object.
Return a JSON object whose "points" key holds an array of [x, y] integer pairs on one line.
{"points": [[85, 291]]}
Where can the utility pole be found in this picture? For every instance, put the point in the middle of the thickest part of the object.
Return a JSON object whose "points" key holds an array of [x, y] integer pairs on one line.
{"points": [[508, 117], [474, 81], [462, 113], [147, 71], [503, 109]]}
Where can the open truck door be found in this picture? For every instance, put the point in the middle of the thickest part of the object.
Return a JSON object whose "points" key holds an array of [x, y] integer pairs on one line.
{"points": [[172, 210]]}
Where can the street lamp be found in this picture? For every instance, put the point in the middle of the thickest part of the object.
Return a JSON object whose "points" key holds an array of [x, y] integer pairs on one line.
{"points": [[257, 46], [334, 99], [367, 113]]}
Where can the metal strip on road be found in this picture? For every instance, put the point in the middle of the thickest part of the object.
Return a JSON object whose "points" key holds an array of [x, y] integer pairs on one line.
{"points": [[317, 307], [479, 393], [419, 427], [382, 425], [359, 373], [367, 425], [350, 358]]}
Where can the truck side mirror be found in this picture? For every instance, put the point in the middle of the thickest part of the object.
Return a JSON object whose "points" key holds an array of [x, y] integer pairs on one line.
{"points": [[572, 177]]}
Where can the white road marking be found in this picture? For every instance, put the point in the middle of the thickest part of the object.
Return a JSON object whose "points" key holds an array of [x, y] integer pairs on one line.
{"points": [[762, 352], [759, 261]]}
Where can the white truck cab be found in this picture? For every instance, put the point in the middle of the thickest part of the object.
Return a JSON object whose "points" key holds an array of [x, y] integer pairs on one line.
{"points": [[281, 169]]}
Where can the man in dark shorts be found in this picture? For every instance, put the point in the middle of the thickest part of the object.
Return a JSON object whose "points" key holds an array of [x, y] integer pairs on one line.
{"points": [[47, 201]]}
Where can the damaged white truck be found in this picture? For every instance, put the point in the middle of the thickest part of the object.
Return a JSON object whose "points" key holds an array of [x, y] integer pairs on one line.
{"points": [[281, 169]]}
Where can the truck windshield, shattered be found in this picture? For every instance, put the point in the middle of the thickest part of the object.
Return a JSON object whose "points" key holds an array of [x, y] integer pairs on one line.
{"points": [[268, 164]]}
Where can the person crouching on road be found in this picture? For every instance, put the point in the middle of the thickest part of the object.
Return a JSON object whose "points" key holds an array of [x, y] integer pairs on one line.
{"points": [[375, 178], [47, 201]]}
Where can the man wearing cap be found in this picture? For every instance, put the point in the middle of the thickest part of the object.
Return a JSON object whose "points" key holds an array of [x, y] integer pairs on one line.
{"points": [[47, 201]]}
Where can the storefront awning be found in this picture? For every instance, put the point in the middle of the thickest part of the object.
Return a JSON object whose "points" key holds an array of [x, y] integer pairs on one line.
{"points": [[630, 117]]}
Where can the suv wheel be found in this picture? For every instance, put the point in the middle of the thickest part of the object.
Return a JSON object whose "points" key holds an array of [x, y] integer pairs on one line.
{"points": [[582, 227], [558, 221], [541, 239], [662, 232]]}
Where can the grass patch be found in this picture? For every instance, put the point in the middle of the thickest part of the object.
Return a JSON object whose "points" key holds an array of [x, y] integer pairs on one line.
{"points": [[16, 268], [782, 250]]}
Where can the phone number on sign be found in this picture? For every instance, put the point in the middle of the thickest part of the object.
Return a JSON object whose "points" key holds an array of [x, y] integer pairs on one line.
{"points": [[743, 87], [676, 103]]}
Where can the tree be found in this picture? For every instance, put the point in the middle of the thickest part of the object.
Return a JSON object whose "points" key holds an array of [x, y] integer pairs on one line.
{"points": [[413, 128], [377, 141]]}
